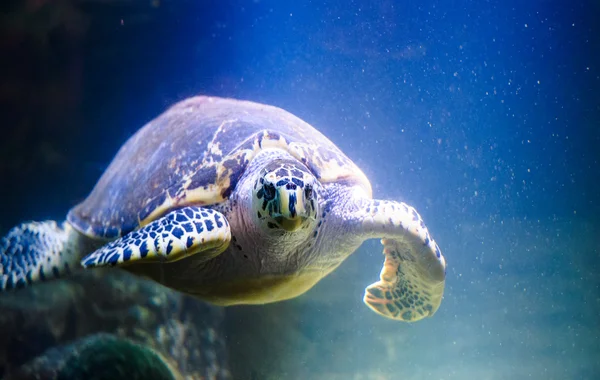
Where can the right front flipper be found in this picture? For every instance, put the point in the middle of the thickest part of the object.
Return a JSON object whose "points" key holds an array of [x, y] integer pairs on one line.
{"points": [[188, 231]]}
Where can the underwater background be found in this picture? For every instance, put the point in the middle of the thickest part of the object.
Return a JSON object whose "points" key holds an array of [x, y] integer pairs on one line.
{"points": [[483, 115]]}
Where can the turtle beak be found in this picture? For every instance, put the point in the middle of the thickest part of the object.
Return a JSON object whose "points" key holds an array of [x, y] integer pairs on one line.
{"points": [[293, 212], [290, 225]]}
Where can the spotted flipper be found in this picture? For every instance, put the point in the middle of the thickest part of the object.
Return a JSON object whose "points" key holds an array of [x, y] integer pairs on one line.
{"points": [[412, 279], [37, 251], [181, 233]]}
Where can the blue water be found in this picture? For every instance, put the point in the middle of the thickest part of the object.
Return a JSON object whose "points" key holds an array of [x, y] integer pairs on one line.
{"points": [[482, 115]]}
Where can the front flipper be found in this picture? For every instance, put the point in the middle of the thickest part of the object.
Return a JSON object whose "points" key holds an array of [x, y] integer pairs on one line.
{"points": [[181, 233], [412, 279]]}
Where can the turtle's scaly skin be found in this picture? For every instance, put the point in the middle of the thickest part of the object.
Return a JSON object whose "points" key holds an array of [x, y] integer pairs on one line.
{"points": [[39, 251], [411, 282], [181, 233]]}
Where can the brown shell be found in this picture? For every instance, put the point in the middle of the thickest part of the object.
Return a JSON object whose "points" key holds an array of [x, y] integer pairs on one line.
{"points": [[195, 153]]}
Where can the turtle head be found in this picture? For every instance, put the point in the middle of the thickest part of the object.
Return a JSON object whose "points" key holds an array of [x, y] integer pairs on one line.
{"points": [[285, 195]]}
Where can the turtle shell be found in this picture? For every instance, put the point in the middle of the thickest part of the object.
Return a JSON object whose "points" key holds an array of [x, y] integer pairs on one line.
{"points": [[195, 153]]}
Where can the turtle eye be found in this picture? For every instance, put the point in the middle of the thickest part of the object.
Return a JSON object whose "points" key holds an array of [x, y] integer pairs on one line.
{"points": [[308, 192], [269, 190]]}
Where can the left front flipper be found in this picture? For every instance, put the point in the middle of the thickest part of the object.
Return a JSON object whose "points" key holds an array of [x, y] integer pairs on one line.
{"points": [[412, 279], [181, 233]]}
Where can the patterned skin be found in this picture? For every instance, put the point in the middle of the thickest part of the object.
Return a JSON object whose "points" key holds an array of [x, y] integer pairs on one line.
{"points": [[276, 216], [197, 231]]}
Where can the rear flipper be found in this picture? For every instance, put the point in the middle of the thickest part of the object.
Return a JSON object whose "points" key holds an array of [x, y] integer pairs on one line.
{"points": [[37, 251]]}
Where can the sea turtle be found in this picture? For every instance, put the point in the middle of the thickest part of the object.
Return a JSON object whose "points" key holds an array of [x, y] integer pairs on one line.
{"points": [[234, 202]]}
